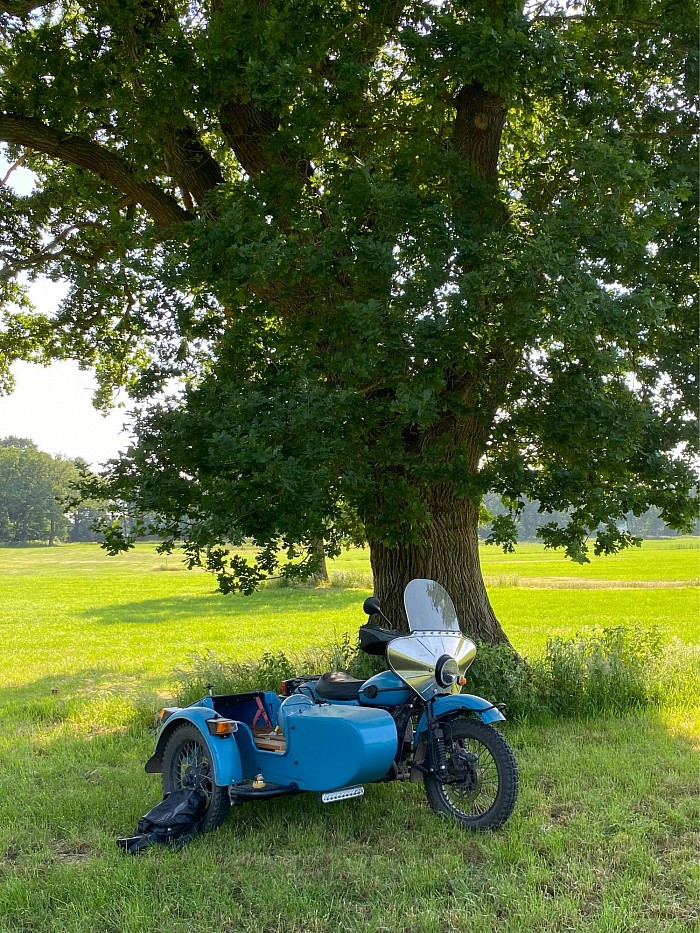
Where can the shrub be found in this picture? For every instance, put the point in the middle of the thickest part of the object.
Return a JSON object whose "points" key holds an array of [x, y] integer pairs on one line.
{"points": [[611, 670], [500, 675], [615, 669], [265, 673]]}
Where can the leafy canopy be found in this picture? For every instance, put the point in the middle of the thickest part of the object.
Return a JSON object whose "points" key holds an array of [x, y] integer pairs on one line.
{"points": [[34, 487], [390, 255]]}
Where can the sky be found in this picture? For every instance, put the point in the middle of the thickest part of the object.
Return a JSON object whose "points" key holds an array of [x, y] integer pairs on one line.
{"points": [[52, 405]]}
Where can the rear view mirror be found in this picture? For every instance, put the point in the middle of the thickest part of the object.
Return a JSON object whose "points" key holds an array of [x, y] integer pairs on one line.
{"points": [[371, 606]]}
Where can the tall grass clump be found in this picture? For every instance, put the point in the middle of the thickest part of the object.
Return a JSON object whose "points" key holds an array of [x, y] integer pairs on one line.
{"points": [[613, 670], [350, 579], [678, 674], [266, 672]]}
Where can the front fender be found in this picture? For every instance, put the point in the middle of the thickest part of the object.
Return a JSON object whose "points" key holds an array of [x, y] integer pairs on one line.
{"points": [[225, 756], [446, 705]]}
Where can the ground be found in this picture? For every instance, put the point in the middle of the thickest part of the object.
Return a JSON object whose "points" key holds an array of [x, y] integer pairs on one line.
{"points": [[604, 837]]}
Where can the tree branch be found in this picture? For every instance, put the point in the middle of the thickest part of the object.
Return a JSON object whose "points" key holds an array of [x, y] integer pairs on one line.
{"points": [[183, 153], [16, 265], [246, 128], [13, 167], [32, 133], [190, 163], [21, 8]]}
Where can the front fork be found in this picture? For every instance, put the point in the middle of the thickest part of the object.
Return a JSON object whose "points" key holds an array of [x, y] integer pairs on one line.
{"points": [[437, 758]]}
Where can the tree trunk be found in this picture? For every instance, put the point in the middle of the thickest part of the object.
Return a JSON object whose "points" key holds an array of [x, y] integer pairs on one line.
{"points": [[449, 555], [320, 574]]}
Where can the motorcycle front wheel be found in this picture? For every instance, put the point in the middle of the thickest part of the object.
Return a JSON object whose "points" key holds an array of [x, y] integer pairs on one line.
{"points": [[481, 783], [187, 764]]}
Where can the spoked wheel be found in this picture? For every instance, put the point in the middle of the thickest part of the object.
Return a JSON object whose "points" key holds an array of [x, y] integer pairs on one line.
{"points": [[187, 765], [482, 776]]}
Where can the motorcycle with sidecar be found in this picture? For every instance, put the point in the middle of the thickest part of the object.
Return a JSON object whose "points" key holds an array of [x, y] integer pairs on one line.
{"points": [[332, 733]]}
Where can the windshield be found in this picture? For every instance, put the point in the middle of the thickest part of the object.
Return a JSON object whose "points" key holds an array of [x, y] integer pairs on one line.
{"points": [[429, 607], [432, 658]]}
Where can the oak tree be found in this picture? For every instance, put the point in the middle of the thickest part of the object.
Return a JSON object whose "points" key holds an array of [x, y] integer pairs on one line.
{"points": [[364, 260]]}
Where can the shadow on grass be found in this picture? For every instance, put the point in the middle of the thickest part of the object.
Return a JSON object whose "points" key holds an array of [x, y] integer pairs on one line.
{"points": [[180, 608]]}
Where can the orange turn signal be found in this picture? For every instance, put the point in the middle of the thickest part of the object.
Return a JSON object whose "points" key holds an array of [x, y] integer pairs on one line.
{"points": [[461, 680], [222, 726]]}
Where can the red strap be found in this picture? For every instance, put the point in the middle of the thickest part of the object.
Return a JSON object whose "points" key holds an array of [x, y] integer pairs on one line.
{"points": [[261, 712]]}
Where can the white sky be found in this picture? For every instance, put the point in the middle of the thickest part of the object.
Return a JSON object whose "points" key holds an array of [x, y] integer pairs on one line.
{"points": [[52, 405]]}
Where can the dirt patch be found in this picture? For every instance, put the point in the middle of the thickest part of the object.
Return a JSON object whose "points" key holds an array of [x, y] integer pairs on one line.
{"points": [[683, 846], [562, 812], [77, 851]]}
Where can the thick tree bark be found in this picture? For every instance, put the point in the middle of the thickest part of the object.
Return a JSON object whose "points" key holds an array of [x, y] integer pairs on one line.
{"points": [[449, 555]]}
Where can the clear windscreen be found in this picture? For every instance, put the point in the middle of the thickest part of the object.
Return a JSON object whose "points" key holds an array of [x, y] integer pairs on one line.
{"points": [[429, 607]]}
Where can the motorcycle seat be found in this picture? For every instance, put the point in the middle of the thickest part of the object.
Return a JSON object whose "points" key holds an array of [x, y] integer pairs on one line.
{"points": [[337, 685]]}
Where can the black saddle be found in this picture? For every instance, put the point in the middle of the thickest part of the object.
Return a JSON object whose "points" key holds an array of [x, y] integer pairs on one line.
{"points": [[337, 685]]}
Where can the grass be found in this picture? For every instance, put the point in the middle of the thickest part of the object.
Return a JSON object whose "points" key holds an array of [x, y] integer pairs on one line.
{"points": [[673, 560], [604, 838]]}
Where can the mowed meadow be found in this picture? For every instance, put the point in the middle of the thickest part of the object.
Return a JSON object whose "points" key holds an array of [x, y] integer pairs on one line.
{"points": [[605, 836]]}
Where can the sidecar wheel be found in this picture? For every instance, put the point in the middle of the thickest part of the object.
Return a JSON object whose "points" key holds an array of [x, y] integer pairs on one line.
{"points": [[482, 773], [187, 764]]}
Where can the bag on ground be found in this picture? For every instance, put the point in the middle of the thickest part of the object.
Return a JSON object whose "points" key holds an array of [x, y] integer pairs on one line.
{"points": [[174, 821]]}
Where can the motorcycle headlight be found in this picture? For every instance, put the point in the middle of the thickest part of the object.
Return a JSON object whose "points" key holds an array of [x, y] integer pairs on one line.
{"points": [[447, 671]]}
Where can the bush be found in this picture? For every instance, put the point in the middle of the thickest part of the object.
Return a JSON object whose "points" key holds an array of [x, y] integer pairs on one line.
{"points": [[265, 673], [614, 670], [500, 675]]}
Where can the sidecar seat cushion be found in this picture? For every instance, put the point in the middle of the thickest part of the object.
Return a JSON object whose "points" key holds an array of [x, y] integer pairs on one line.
{"points": [[337, 685]]}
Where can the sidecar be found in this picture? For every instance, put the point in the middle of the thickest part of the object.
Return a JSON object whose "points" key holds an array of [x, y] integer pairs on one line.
{"points": [[256, 745], [333, 733]]}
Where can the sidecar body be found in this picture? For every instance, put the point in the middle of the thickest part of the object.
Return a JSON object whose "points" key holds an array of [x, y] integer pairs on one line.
{"points": [[263, 746]]}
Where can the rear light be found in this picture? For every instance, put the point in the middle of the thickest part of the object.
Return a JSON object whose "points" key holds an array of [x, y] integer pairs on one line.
{"points": [[166, 713], [222, 726]]}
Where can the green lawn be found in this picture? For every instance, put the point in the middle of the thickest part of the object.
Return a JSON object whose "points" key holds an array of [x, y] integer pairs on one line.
{"points": [[72, 611], [673, 560], [604, 837]]}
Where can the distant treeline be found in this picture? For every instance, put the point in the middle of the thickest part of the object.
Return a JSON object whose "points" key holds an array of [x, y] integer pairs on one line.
{"points": [[648, 525], [40, 502]]}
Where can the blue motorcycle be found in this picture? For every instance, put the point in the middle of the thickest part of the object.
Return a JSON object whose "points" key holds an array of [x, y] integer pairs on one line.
{"points": [[332, 734]]}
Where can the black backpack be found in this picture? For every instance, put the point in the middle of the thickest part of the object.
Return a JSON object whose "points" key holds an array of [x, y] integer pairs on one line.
{"points": [[174, 821]]}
